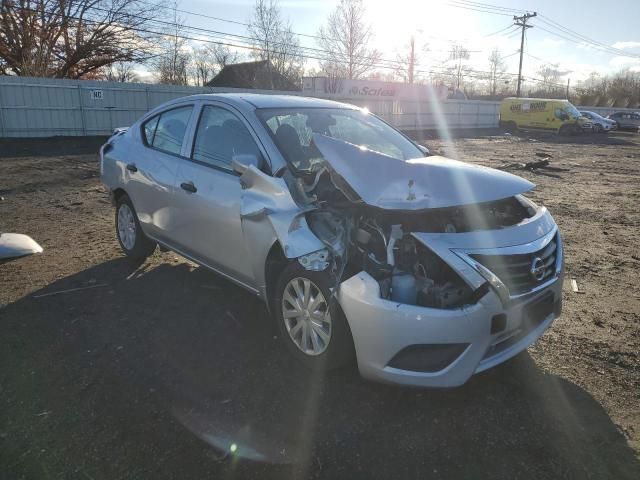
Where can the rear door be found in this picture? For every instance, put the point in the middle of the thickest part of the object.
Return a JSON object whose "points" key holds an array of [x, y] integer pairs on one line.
{"points": [[625, 120], [208, 192], [153, 167]]}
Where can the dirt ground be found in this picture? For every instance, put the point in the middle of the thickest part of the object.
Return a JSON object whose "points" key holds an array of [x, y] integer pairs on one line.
{"points": [[160, 368]]}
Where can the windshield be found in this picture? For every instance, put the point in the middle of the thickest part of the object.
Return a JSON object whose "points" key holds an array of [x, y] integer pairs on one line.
{"points": [[293, 128], [572, 111]]}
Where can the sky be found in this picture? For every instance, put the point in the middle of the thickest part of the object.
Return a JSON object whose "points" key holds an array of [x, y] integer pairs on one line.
{"points": [[438, 24]]}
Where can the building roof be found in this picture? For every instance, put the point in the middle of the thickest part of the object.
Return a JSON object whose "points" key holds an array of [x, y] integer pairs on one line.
{"points": [[260, 75]]}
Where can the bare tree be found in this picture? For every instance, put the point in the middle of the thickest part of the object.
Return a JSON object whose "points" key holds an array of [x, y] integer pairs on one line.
{"points": [[121, 72], [202, 68], [171, 65], [458, 57], [73, 38], [550, 76], [274, 41], [346, 38], [223, 56], [621, 89], [409, 60], [497, 68], [208, 60]]}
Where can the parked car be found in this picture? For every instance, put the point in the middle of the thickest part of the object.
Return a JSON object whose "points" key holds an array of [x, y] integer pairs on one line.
{"points": [[542, 114], [427, 269], [626, 119], [600, 124]]}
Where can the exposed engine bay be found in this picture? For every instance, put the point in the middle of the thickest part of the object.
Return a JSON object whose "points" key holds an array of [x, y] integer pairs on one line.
{"points": [[380, 242]]}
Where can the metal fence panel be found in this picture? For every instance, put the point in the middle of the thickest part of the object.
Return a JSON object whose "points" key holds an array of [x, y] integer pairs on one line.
{"points": [[42, 107]]}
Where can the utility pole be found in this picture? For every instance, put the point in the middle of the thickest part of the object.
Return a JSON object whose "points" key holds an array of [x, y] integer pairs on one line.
{"points": [[522, 22], [412, 58], [568, 83]]}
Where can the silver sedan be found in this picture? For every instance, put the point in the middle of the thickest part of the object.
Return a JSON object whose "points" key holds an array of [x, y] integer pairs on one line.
{"points": [[600, 124], [425, 270]]}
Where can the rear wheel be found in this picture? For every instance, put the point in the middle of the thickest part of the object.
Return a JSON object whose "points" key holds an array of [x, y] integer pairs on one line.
{"points": [[134, 243], [309, 319], [510, 126]]}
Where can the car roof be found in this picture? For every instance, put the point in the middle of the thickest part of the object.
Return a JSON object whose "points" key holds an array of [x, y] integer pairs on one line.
{"points": [[258, 100], [531, 99]]}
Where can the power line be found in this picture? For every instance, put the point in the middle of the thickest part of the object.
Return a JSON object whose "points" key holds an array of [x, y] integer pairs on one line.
{"points": [[575, 37], [241, 41], [511, 55], [212, 37], [482, 7], [469, 73], [490, 6], [508, 27], [218, 35]]}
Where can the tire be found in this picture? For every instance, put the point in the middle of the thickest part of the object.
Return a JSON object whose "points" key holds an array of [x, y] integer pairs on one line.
{"points": [[511, 127], [597, 128], [328, 343], [133, 242], [565, 130]]}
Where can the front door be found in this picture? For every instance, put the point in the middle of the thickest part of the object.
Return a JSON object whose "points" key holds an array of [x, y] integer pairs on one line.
{"points": [[209, 194]]}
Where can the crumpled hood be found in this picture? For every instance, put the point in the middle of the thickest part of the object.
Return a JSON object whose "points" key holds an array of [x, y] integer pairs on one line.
{"points": [[421, 183]]}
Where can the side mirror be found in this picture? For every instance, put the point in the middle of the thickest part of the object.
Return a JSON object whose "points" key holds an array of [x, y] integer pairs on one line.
{"points": [[242, 161], [425, 151]]}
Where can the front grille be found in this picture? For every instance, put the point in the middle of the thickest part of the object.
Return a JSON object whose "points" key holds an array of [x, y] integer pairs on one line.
{"points": [[515, 271]]}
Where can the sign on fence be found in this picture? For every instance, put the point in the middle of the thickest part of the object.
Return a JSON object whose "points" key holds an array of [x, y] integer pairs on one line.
{"points": [[97, 95]]}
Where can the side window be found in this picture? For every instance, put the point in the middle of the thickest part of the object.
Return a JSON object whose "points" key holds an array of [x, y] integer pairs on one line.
{"points": [[220, 136], [560, 114], [150, 129], [166, 131]]}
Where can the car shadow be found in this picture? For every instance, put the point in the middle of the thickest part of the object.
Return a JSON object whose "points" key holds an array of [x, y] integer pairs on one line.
{"points": [[50, 146], [168, 371]]}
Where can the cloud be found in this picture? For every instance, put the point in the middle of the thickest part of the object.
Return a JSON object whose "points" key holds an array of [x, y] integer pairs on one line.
{"points": [[587, 46], [623, 45], [551, 42], [622, 62]]}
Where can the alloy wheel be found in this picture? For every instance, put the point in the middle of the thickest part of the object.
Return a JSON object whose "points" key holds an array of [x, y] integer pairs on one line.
{"points": [[306, 316], [126, 226]]}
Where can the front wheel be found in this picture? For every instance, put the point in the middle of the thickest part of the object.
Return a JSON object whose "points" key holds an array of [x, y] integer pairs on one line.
{"points": [[566, 130], [134, 243], [597, 128], [309, 319]]}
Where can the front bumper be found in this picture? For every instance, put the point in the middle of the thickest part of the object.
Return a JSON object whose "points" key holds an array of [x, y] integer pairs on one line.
{"points": [[466, 340], [382, 328]]}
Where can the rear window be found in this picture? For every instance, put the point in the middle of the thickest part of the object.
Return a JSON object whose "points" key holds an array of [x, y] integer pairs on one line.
{"points": [[166, 131]]}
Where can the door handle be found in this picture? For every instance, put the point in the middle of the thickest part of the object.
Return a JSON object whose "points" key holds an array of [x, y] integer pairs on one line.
{"points": [[189, 187], [132, 167]]}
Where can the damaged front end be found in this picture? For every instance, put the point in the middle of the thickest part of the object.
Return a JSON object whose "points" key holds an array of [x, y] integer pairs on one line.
{"points": [[356, 207], [429, 256], [348, 215]]}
